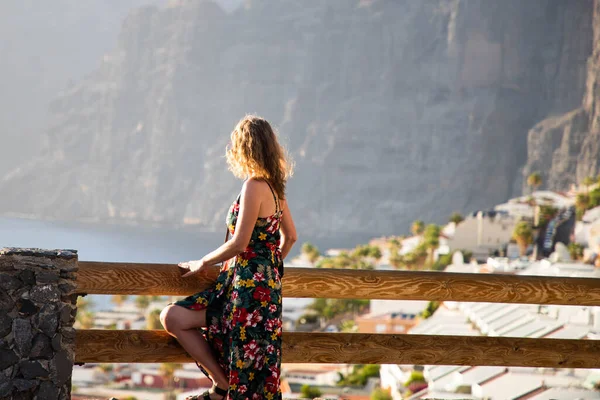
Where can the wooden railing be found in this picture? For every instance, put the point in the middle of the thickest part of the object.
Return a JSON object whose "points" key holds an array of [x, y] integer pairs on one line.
{"points": [[164, 279]]}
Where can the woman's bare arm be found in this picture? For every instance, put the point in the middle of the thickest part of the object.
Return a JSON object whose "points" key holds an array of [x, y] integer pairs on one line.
{"points": [[288, 230], [250, 201]]}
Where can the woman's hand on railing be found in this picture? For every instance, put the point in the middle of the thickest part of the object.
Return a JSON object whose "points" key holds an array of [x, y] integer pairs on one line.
{"points": [[193, 267]]}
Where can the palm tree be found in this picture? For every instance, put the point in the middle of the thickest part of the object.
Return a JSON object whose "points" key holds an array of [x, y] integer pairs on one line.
{"points": [[119, 299], [167, 371], [153, 321], [375, 252], [431, 239], [534, 180], [311, 252], [395, 259], [85, 317], [523, 234], [587, 182], [457, 218], [582, 203], [142, 302], [417, 227], [348, 325]]}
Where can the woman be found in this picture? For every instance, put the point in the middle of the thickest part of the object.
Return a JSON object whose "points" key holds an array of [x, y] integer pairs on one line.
{"points": [[239, 343]]}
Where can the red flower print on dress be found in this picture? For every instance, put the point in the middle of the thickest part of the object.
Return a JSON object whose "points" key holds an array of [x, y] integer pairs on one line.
{"points": [[272, 225], [254, 318], [271, 324], [260, 361], [271, 384], [234, 378], [240, 315], [270, 349], [262, 294], [259, 277], [242, 388], [197, 306], [274, 370], [248, 254], [257, 396], [251, 350], [272, 308], [218, 343]]}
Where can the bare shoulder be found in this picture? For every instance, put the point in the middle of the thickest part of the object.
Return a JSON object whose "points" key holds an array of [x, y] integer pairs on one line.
{"points": [[254, 186]]}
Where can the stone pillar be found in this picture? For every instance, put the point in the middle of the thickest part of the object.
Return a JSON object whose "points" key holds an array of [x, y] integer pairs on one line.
{"points": [[37, 312]]}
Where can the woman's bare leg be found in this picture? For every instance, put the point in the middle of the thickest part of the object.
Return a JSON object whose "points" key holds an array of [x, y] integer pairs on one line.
{"points": [[182, 324]]}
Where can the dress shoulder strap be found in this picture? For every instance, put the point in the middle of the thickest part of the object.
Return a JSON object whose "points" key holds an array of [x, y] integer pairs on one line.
{"points": [[274, 197]]}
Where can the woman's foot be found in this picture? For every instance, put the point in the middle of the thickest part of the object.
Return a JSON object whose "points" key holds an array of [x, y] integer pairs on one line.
{"points": [[214, 393]]}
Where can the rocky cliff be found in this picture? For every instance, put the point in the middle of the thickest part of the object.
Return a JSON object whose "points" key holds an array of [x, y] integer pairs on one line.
{"points": [[43, 47], [393, 110], [565, 148]]}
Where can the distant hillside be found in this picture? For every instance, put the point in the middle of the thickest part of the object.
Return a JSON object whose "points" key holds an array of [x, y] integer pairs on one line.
{"points": [[393, 110], [44, 47]]}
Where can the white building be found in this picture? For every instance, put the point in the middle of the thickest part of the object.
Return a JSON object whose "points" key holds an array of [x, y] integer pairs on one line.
{"points": [[312, 374], [483, 233], [511, 320]]}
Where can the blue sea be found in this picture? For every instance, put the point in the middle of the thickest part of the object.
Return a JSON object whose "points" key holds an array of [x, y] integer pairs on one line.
{"points": [[98, 242]]}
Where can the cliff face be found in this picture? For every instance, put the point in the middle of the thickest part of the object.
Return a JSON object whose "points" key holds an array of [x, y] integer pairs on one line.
{"points": [[566, 147], [392, 110], [43, 46]]}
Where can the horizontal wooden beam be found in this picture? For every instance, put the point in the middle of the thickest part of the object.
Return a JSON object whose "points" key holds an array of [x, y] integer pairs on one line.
{"points": [[104, 346], [165, 279]]}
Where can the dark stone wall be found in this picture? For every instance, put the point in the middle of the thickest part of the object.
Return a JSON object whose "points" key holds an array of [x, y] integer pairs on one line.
{"points": [[37, 312]]}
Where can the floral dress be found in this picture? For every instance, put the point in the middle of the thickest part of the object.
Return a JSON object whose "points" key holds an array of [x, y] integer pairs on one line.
{"points": [[243, 311]]}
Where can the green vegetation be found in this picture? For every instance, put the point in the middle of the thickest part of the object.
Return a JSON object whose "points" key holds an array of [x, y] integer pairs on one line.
{"points": [[380, 394], [546, 214], [360, 375], [167, 371], [395, 259], [362, 257], [85, 317], [417, 227], [329, 308], [153, 321], [348, 326], [587, 201], [457, 218], [308, 319], [575, 251], [415, 383], [142, 302], [523, 235], [311, 252], [588, 181], [422, 255], [106, 367], [432, 307], [534, 180], [442, 262], [431, 239], [365, 251], [310, 392]]}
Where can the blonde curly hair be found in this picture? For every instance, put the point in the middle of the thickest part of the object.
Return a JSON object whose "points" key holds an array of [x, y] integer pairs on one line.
{"points": [[254, 151]]}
